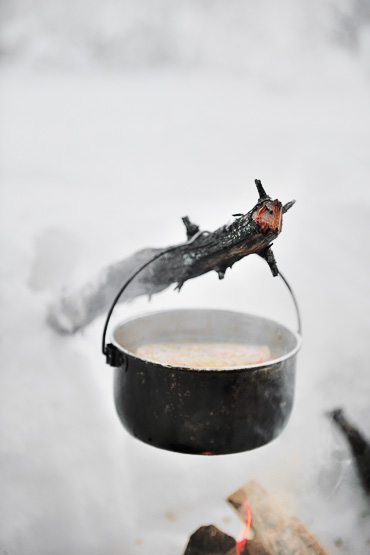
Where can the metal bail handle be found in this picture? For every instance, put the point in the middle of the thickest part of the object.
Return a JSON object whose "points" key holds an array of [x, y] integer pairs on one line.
{"points": [[298, 314], [114, 357]]}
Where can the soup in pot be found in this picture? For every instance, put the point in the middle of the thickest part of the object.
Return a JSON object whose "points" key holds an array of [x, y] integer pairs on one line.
{"points": [[205, 355]]}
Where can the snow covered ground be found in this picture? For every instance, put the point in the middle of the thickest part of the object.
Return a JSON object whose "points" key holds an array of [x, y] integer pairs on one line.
{"points": [[98, 163]]}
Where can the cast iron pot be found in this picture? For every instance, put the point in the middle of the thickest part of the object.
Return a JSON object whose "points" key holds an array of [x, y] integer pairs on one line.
{"points": [[205, 411]]}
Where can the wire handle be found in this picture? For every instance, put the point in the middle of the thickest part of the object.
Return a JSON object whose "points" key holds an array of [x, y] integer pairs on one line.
{"points": [[299, 320], [114, 357]]}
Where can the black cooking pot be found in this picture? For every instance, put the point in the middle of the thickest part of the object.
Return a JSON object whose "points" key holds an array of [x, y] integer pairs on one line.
{"points": [[205, 411]]}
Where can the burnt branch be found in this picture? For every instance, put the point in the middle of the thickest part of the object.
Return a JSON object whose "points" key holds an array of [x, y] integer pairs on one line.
{"points": [[288, 206], [191, 229], [359, 445], [251, 233], [261, 191], [268, 255]]}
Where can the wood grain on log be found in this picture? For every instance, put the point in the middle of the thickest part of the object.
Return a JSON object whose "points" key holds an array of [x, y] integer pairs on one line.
{"points": [[250, 233], [273, 526]]}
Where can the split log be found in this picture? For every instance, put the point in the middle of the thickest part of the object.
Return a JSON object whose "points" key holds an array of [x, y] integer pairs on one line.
{"points": [[273, 526], [360, 447], [249, 233]]}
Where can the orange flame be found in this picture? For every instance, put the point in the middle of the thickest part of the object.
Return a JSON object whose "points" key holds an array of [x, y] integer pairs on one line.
{"points": [[240, 542]]}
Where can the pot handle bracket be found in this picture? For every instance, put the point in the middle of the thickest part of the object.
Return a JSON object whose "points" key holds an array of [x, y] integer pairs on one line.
{"points": [[114, 357]]}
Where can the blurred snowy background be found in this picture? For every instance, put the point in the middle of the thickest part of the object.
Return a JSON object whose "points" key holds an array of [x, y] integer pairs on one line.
{"points": [[117, 118]]}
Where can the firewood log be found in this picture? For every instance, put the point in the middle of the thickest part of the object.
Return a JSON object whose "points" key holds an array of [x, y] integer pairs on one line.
{"points": [[209, 540], [249, 233], [273, 526]]}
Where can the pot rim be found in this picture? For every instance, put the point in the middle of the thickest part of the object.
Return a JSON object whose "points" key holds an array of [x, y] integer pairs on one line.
{"points": [[271, 362]]}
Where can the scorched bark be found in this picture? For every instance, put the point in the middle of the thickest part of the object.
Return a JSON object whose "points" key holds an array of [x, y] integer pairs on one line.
{"points": [[250, 233]]}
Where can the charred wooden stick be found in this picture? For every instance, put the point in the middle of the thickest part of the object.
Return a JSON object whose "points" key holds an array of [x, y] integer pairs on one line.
{"points": [[250, 233], [360, 447], [273, 526]]}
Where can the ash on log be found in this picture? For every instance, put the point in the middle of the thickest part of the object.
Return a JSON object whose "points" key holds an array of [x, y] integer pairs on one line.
{"points": [[250, 233], [360, 447], [273, 526]]}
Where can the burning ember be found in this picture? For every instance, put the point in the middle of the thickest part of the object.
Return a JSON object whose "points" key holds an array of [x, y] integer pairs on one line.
{"points": [[240, 542]]}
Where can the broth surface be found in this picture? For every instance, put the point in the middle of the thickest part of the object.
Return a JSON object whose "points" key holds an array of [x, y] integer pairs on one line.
{"points": [[203, 355]]}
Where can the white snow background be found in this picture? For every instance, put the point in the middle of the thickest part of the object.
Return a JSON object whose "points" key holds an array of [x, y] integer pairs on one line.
{"points": [[117, 119]]}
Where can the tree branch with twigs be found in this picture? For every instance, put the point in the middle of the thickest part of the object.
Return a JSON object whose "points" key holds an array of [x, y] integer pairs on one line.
{"points": [[204, 251]]}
